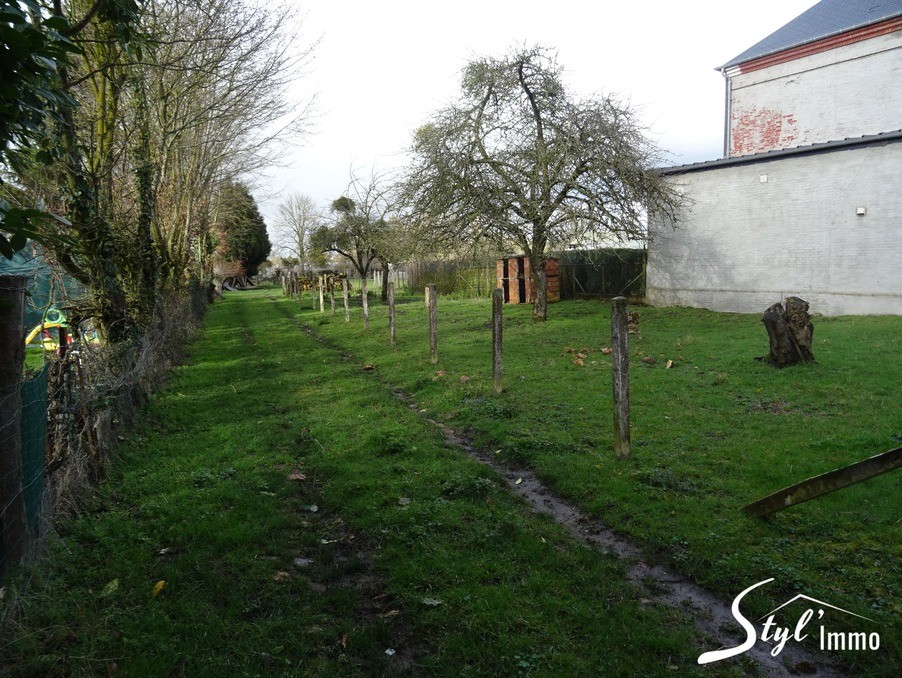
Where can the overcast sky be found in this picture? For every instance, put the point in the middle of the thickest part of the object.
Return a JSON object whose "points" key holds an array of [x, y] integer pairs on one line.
{"points": [[383, 67]]}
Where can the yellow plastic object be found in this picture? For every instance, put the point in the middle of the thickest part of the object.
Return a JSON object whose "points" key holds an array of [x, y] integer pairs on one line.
{"points": [[48, 343]]}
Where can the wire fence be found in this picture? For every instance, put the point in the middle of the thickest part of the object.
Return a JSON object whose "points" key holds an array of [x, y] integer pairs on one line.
{"points": [[601, 273], [57, 423]]}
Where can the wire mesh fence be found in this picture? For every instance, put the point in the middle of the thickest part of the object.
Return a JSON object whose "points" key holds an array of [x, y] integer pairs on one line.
{"points": [[57, 423]]}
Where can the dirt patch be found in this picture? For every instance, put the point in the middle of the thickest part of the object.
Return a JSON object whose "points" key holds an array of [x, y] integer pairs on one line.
{"points": [[659, 583]]}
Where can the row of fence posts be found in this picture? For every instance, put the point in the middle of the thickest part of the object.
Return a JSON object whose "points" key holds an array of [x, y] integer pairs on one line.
{"points": [[619, 346], [619, 341]]}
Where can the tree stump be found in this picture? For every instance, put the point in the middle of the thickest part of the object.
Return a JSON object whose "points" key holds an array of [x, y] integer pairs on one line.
{"points": [[790, 332]]}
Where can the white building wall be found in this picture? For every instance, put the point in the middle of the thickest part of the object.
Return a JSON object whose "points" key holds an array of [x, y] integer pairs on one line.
{"points": [[743, 245], [848, 91]]}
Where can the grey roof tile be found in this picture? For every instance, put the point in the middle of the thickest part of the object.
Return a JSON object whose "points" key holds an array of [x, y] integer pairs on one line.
{"points": [[826, 18]]}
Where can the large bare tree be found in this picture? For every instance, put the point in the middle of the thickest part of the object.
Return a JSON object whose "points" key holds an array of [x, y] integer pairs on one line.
{"points": [[298, 217], [520, 161]]}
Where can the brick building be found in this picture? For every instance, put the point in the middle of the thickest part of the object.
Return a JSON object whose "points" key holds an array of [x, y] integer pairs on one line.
{"points": [[807, 199]]}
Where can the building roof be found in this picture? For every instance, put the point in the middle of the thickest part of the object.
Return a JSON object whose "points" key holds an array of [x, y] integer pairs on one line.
{"points": [[825, 19], [811, 149]]}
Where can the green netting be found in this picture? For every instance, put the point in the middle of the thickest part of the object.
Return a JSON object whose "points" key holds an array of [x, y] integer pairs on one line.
{"points": [[45, 287], [602, 273], [34, 442]]}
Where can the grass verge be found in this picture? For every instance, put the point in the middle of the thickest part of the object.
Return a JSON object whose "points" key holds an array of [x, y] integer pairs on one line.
{"points": [[279, 512], [711, 432]]}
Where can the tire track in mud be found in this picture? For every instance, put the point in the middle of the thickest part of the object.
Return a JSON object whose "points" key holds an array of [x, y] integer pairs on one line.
{"points": [[712, 616]]}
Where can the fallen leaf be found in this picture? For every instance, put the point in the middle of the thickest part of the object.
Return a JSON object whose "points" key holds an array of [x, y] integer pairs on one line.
{"points": [[432, 602], [110, 588], [519, 480], [343, 641], [158, 588], [648, 359], [582, 356], [440, 373], [367, 368], [296, 475], [607, 351], [313, 508], [578, 361], [389, 652], [303, 562], [668, 364], [464, 379], [281, 577], [391, 613], [404, 501], [168, 551]]}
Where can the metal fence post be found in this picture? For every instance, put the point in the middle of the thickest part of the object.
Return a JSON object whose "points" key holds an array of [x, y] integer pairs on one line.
{"points": [[13, 521]]}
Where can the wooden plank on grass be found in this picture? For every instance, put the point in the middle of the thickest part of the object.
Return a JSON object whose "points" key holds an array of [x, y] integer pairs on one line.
{"points": [[826, 482]]}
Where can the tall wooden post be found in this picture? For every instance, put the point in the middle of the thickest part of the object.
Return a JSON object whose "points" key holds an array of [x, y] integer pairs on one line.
{"points": [[497, 306], [391, 312], [366, 303], [344, 294], [428, 287], [621, 377], [433, 321], [322, 302], [332, 295], [13, 524]]}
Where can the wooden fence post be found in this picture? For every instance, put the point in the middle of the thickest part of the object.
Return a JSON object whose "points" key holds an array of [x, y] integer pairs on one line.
{"points": [[620, 366], [322, 302], [332, 295], [433, 321], [497, 306], [344, 293], [391, 312], [428, 287], [366, 303], [13, 522]]}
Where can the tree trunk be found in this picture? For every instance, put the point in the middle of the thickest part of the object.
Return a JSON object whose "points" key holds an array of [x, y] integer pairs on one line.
{"points": [[540, 287], [366, 305], [790, 332], [385, 282]]}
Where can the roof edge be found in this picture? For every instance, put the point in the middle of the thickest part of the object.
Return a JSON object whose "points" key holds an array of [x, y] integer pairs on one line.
{"points": [[812, 149]]}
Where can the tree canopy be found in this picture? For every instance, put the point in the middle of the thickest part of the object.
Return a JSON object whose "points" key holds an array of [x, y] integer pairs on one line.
{"points": [[520, 161], [241, 229]]}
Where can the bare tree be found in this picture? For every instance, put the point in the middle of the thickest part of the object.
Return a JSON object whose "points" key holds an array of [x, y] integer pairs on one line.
{"points": [[518, 160], [298, 217], [360, 228]]}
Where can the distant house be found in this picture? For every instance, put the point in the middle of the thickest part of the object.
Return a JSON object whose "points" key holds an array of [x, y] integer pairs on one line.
{"points": [[807, 199]]}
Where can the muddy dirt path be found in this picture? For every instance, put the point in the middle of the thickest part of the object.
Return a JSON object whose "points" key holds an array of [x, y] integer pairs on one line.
{"points": [[712, 615]]}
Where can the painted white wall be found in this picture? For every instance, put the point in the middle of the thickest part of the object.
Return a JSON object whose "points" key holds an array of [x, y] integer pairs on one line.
{"points": [[848, 91], [743, 245]]}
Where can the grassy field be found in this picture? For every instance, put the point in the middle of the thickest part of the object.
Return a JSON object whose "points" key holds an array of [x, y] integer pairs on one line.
{"points": [[711, 433], [280, 512]]}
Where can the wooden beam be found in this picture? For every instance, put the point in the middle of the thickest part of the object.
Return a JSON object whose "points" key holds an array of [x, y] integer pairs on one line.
{"points": [[826, 482]]}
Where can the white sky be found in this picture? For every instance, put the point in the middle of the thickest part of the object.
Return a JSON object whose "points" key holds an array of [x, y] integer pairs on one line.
{"points": [[384, 66]]}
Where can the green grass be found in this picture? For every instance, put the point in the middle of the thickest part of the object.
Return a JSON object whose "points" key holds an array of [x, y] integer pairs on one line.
{"points": [[34, 358], [710, 434], [392, 540]]}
